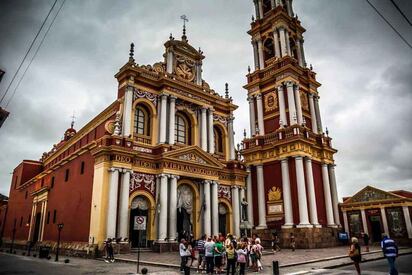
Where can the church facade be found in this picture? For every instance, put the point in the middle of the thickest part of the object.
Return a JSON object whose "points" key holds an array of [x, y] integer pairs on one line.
{"points": [[159, 161], [289, 156]]}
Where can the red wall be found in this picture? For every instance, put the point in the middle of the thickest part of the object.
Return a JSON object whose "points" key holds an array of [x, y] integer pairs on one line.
{"points": [[255, 197], [272, 173], [320, 197], [294, 190]]}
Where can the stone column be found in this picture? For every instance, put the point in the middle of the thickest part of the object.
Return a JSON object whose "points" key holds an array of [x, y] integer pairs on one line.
{"points": [[259, 105], [408, 223], [42, 219], [289, 7], [345, 221], [231, 138], [334, 193], [173, 208], [169, 65], [303, 203], [123, 218], [163, 195], [204, 129], [207, 208], [211, 134], [215, 209], [127, 112], [236, 208], [288, 42], [299, 51], [172, 116], [252, 115], [311, 192], [112, 204], [255, 54], [33, 213], [163, 118], [282, 109], [291, 102], [303, 53], [283, 47], [317, 111], [364, 222], [261, 197], [249, 195], [260, 51], [328, 199], [272, 4], [199, 74], [298, 105], [287, 197], [260, 8], [384, 221], [313, 114], [276, 42]]}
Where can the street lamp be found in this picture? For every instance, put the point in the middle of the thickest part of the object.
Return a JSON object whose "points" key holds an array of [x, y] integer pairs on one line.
{"points": [[59, 228]]}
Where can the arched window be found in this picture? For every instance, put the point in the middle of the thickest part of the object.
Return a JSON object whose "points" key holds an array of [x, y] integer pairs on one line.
{"points": [[141, 121], [269, 50], [218, 140], [182, 129]]}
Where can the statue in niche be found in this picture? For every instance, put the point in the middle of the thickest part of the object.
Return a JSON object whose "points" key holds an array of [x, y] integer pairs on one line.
{"points": [[185, 198], [244, 209]]}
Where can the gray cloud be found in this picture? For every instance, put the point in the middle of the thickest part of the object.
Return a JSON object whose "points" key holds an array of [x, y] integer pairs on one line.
{"points": [[364, 67]]}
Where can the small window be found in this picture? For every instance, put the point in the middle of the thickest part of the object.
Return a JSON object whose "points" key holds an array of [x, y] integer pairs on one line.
{"points": [[52, 182], [25, 195], [48, 217], [141, 121], [66, 177], [182, 129], [82, 168], [54, 216], [21, 221]]}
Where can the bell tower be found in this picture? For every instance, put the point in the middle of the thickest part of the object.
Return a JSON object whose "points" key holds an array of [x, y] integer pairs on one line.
{"points": [[288, 155]]}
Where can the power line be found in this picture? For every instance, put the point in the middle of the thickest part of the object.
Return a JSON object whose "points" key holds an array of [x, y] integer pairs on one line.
{"points": [[393, 28], [25, 56], [400, 11], [37, 50]]}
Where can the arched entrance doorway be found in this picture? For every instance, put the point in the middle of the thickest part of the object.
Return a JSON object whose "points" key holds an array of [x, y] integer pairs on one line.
{"points": [[185, 211], [139, 210], [223, 218]]}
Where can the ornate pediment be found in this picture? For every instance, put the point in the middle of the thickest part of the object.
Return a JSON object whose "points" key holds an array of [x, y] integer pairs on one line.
{"points": [[195, 155], [370, 194]]}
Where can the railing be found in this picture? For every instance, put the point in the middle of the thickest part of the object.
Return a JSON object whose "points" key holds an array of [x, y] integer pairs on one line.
{"points": [[144, 140]]}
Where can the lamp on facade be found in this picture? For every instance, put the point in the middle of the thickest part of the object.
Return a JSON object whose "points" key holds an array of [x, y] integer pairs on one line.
{"points": [[59, 228]]}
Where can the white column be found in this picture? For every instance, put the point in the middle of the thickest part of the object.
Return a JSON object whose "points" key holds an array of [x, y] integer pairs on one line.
{"points": [[199, 74], [289, 7], [303, 53], [255, 54], [257, 9], [260, 8], [317, 112], [207, 209], [291, 102], [408, 223], [283, 47], [163, 118], [249, 195], [173, 208], [328, 199], [204, 129], [334, 194], [127, 111], [169, 64], [345, 222], [313, 114], [215, 209], [252, 115], [163, 195], [287, 197], [288, 42], [43, 219], [272, 4], [261, 197], [276, 41], [364, 221], [384, 221], [33, 213], [259, 106], [172, 116], [211, 133], [282, 108], [123, 231], [303, 203], [260, 51], [299, 51], [311, 192], [112, 204], [235, 208], [298, 105], [231, 138]]}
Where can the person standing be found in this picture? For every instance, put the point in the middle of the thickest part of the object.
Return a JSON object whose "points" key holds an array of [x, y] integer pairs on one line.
{"points": [[275, 243], [201, 253], [209, 248], [355, 253], [230, 259], [390, 251], [366, 239], [109, 251], [242, 255], [292, 242], [184, 254], [218, 253]]}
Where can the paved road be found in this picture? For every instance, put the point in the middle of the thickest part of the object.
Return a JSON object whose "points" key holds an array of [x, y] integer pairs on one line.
{"points": [[15, 264]]}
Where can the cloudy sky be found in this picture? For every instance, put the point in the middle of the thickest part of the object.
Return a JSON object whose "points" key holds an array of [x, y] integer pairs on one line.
{"points": [[365, 69]]}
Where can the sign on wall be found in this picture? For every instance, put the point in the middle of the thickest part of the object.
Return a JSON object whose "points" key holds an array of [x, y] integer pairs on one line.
{"points": [[139, 223]]}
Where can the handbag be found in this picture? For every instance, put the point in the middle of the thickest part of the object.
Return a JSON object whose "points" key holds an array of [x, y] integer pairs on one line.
{"points": [[241, 258]]}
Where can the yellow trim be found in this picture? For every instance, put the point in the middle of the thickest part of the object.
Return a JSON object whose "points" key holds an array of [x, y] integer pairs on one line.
{"points": [[225, 138], [196, 206], [229, 216], [151, 227]]}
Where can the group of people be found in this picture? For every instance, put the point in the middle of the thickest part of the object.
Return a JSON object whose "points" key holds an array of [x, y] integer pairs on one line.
{"points": [[214, 253], [389, 249]]}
